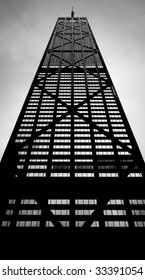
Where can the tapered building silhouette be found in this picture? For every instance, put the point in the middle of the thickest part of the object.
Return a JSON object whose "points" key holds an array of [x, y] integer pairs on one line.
{"points": [[72, 164]]}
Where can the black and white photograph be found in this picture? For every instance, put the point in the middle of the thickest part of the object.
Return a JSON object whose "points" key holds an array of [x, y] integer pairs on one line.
{"points": [[72, 131]]}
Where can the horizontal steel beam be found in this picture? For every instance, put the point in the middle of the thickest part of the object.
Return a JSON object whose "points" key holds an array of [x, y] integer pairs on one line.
{"points": [[83, 188]]}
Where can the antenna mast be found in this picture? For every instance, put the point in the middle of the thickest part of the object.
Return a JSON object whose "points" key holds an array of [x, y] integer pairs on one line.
{"points": [[72, 13]]}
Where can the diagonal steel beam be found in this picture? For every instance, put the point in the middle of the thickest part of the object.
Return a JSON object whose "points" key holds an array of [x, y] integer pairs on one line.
{"points": [[48, 213], [97, 214]]}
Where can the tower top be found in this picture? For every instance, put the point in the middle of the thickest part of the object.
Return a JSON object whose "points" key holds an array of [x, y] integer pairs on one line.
{"points": [[72, 13]]}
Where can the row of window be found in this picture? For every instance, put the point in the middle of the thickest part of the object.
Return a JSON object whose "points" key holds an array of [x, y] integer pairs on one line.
{"points": [[79, 203], [85, 212], [77, 223], [78, 174], [38, 163], [133, 202]]}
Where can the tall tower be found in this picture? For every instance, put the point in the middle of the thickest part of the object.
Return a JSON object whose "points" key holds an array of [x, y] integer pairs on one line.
{"points": [[72, 164]]}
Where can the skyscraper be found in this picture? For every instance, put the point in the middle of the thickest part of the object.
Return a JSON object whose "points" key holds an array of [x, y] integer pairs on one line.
{"points": [[72, 164]]}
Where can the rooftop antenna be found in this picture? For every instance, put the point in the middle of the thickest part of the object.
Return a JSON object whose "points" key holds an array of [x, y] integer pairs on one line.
{"points": [[72, 13]]}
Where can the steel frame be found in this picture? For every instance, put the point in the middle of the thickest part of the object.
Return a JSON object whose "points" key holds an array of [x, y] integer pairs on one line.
{"points": [[72, 52]]}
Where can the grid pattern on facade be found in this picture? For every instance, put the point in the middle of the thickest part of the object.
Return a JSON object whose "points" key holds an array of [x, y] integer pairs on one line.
{"points": [[72, 125], [117, 213]]}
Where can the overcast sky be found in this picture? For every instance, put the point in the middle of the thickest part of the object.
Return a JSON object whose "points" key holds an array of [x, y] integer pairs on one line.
{"points": [[119, 28]]}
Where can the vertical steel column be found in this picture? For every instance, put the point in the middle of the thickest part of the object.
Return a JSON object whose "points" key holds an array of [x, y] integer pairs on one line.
{"points": [[129, 213], [96, 174], [3, 208], [72, 165], [72, 171], [15, 213], [48, 174]]}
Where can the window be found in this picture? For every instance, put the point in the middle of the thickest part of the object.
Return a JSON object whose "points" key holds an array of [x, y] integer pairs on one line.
{"points": [[60, 174], [116, 224]]}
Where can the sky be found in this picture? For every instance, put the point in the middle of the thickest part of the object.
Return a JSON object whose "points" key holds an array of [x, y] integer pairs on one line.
{"points": [[119, 29]]}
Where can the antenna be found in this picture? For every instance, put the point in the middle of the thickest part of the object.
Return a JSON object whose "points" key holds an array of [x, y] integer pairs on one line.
{"points": [[72, 13]]}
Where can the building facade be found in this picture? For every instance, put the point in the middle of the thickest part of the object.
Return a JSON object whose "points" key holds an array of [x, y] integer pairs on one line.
{"points": [[72, 161]]}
